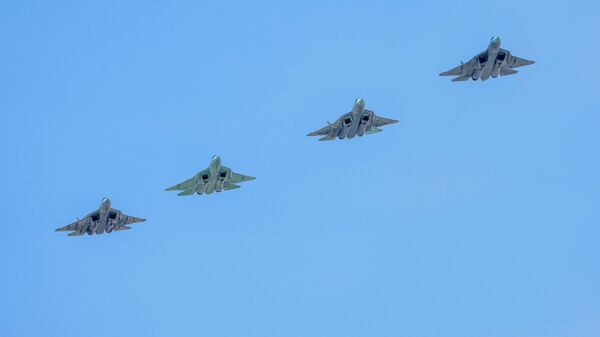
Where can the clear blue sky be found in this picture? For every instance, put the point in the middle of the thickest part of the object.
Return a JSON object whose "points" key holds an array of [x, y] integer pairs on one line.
{"points": [[477, 215]]}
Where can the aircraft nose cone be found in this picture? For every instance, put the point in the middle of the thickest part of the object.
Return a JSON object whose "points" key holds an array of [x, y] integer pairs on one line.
{"points": [[105, 203]]}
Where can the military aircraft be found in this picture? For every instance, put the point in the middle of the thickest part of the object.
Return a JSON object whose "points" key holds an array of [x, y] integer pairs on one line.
{"points": [[492, 62], [105, 219], [357, 122], [215, 178]]}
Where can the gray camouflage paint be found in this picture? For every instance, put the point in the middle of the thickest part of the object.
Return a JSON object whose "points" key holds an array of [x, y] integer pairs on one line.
{"points": [[215, 178], [492, 62], [357, 122], [105, 219]]}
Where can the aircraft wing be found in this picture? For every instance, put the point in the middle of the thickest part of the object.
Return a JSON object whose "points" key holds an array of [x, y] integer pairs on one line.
{"points": [[463, 68], [519, 62], [456, 71], [325, 130], [188, 184], [235, 178], [321, 132], [515, 62], [75, 226], [128, 219], [381, 121]]}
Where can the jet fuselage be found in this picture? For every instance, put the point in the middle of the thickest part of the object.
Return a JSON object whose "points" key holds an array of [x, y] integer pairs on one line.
{"points": [[104, 219], [214, 170], [353, 123], [492, 54], [98, 222]]}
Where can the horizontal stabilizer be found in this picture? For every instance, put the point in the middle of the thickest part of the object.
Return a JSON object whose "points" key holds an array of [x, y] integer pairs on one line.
{"points": [[187, 192], [121, 228], [228, 187], [373, 130], [327, 138], [507, 71], [75, 234], [461, 78]]}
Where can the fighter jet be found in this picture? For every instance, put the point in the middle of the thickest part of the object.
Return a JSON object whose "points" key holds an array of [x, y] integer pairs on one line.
{"points": [[492, 62], [357, 122], [215, 178], [105, 219]]}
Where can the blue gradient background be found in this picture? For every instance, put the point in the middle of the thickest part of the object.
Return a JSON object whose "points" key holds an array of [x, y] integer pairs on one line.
{"points": [[477, 215]]}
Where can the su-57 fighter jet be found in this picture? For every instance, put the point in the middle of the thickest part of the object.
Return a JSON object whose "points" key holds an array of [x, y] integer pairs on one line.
{"points": [[105, 219], [492, 62], [215, 178], [357, 122]]}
